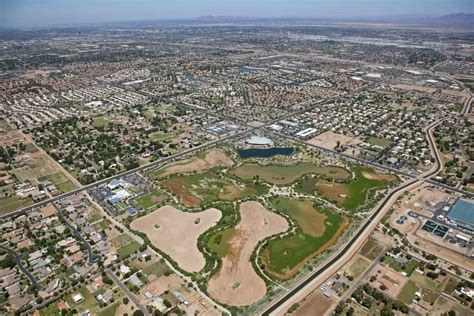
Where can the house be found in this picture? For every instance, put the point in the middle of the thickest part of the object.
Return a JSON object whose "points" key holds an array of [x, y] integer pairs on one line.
{"points": [[77, 298], [136, 280]]}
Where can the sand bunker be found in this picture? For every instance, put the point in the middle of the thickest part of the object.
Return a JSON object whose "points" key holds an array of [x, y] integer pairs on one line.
{"points": [[237, 283], [176, 233], [212, 159]]}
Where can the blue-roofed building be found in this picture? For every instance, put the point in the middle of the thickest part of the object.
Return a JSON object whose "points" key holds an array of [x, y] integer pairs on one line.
{"points": [[113, 200], [133, 211], [462, 214]]}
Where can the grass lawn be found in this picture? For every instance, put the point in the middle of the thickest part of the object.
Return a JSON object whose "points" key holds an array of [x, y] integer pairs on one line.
{"points": [[89, 302], [96, 217], [66, 186], [280, 174], [423, 281], [379, 141], [60, 180], [100, 121], [120, 240], [371, 249], [358, 267], [157, 269], [56, 178], [109, 310], [51, 309], [148, 200], [218, 243], [408, 292], [284, 254], [159, 136], [411, 266], [128, 249], [390, 261], [12, 203], [104, 224]]}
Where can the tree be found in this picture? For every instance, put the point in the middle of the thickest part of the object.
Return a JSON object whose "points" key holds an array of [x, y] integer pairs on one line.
{"points": [[138, 313], [125, 300]]}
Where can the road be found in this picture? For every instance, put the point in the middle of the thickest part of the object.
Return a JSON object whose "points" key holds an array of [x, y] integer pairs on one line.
{"points": [[127, 292]]}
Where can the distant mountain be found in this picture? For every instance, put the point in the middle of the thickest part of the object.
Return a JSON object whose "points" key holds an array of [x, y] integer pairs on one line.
{"points": [[454, 19]]}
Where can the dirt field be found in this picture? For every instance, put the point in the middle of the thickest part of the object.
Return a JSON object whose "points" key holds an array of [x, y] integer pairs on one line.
{"points": [[378, 176], [237, 283], [213, 158], [160, 285], [329, 140], [316, 304], [176, 233], [442, 252]]}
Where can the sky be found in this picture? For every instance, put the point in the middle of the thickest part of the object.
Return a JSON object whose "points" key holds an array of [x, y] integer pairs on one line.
{"points": [[40, 13]]}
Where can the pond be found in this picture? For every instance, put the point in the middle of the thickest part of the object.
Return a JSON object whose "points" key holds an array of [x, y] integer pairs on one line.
{"points": [[265, 152]]}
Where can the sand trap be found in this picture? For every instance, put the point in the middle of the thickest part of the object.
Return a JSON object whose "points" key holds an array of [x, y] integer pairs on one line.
{"points": [[213, 158], [176, 233], [237, 283]]}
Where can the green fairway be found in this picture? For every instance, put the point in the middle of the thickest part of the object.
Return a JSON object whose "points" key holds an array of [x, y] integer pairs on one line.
{"points": [[219, 243], [407, 294], [280, 174], [353, 194], [283, 256], [128, 249], [310, 220]]}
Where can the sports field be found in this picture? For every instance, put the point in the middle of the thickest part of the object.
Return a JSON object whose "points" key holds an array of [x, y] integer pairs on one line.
{"points": [[318, 230], [286, 174]]}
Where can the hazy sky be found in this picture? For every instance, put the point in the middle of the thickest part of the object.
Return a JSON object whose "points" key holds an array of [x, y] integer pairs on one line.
{"points": [[32, 13]]}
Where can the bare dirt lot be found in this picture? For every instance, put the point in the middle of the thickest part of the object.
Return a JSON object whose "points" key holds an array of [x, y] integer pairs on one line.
{"points": [[237, 283], [378, 176], [213, 158], [176, 233], [316, 304], [330, 140]]}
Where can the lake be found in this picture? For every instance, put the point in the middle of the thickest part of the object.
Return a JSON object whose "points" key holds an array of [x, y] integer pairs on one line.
{"points": [[265, 152]]}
